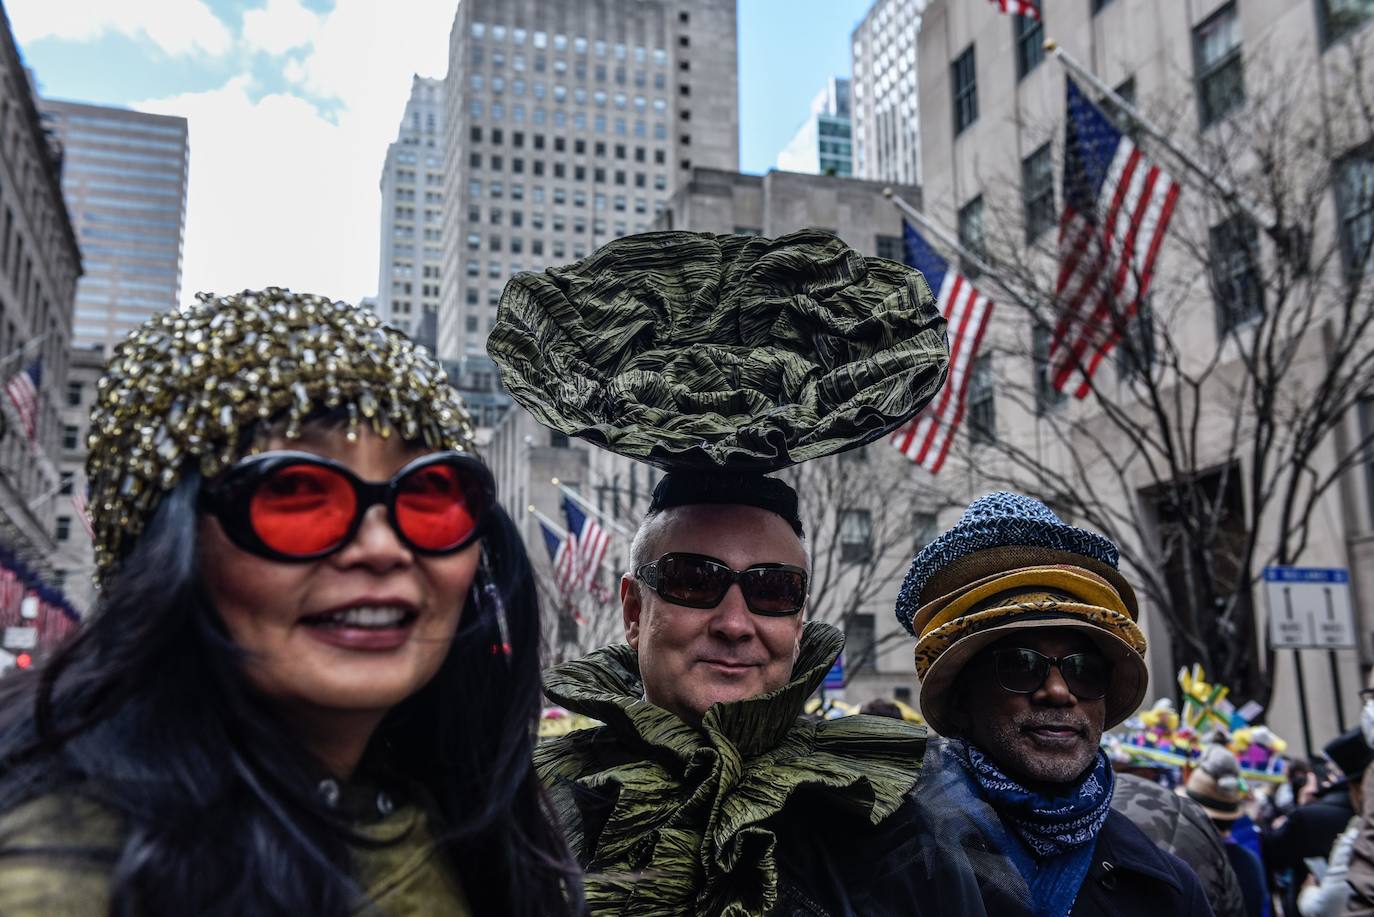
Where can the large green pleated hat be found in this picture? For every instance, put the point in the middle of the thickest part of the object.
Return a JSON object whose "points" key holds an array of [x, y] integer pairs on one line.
{"points": [[699, 351]]}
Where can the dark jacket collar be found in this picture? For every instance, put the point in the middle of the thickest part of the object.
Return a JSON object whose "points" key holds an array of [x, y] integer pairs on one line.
{"points": [[1125, 846]]}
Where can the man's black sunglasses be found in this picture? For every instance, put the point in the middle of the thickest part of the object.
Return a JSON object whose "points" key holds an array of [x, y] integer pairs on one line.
{"points": [[1022, 670], [698, 581]]}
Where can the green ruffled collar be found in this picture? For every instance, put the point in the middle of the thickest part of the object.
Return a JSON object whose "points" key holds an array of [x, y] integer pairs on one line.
{"points": [[686, 832]]}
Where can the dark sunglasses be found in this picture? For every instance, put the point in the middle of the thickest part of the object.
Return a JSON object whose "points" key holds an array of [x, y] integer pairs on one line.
{"points": [[698, 581], [295, 506], [1022, 671]]}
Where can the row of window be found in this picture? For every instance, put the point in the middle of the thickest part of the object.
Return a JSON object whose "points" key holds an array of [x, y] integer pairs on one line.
{"points": [[560, 42], [1217, 64], [538, 90], [559, 118], [497, 190], [497, 162], [599, 148]]}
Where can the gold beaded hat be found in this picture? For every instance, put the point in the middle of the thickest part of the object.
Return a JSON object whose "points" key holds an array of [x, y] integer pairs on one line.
{"points": [[190, 384]]}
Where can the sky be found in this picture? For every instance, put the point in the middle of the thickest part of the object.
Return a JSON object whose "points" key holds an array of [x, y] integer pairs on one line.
{"points": [[292, 103]]}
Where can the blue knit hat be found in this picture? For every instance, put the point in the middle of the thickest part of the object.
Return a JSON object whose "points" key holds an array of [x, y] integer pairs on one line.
{"points": [[999, 520]]}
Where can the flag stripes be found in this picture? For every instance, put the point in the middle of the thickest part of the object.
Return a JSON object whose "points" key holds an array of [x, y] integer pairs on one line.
{"points": [[927, 439], [1117, 208], [22, 390], [1019, 7]]}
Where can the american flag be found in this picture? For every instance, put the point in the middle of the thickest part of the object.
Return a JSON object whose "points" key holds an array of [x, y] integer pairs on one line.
{"points": [[1019, 7], [926, 439], [591, 540], [83, 513], [562, 555], [1116, 210], [23, 391], [11, 594]]}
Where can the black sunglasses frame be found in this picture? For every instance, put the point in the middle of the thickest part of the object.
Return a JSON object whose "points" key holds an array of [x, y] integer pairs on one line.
{"points": [[648, 575], [228, 499], [1050, 662]]}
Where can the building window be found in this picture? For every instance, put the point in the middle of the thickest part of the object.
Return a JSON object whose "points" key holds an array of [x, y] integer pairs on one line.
{"points": [[856, 535], [70, 436], [1355, 204], [1046, 395], [1037, 187], [924, 528], [558, 440], [890, 247], [1366, 410], [982, 417], [65, 480], [1030, 44], [1216, 47], [972, 236], [1098, 5], [964, 79], [64, 528], [1234, 253], [1340, 17], [860, 643], [74, 394], [1136, 354]]}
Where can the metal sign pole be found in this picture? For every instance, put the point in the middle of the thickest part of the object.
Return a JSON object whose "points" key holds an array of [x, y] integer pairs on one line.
{"points": [[1302, 703]]}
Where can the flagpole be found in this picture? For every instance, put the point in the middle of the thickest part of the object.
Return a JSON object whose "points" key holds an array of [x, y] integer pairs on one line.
{"points": [[19, 352], [576, 498], [553, 526], [1220, 185]]}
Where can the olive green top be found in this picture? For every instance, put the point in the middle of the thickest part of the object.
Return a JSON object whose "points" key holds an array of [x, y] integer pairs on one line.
{"points": [[694, 350], [404, 878], [686, 817]]}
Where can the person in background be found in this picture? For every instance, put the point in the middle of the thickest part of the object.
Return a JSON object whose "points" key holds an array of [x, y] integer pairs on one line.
{"points": [[1310, 830], [1215, 785], [1328, 894], [310, 683], [881, 706], [1360, 873], [1178, 825]]}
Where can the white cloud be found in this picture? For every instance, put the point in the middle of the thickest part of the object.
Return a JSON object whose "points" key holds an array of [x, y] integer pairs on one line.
{"points": [[282, 195], [279, 27], [180, 27]]}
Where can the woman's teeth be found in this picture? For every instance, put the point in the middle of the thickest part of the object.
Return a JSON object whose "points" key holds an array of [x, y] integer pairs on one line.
{"points": [[368, 617]]}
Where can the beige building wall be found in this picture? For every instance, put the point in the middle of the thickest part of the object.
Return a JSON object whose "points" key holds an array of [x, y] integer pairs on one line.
{"points": [[1151, 44], [39, 266]]}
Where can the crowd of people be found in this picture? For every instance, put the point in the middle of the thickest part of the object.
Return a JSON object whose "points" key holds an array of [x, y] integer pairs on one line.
{"points": [[311, 681]]}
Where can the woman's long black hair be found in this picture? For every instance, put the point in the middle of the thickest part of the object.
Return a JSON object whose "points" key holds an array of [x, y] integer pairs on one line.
{"points": [[147, 711]]}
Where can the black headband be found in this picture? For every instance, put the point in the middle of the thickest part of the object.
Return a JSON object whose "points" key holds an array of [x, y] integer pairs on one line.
{"points": [[720, 487]]}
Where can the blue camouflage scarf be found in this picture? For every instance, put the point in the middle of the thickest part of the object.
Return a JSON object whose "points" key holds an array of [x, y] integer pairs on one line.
{"points": [[1059, 831]]}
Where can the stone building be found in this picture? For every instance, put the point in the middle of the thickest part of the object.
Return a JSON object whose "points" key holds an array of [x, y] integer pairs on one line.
{"points": [[992, 136], [566, 126], [412, 184], [886, 114], [40, 262]]}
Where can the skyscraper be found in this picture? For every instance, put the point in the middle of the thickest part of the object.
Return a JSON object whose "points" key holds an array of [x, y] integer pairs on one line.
{"points": [[568, 125], [886, 115], [412, 214], [124, 180], [822, 146]]}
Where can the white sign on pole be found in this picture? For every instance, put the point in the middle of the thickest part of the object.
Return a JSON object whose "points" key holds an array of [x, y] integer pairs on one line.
{"points": [[21, 638], [1309, 608]]}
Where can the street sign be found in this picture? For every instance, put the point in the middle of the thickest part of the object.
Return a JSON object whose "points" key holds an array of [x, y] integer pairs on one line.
{"points": [[834, 679], [21, 638], [1309, 608]]}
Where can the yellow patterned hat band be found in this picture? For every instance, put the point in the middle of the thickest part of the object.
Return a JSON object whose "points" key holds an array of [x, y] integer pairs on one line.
{"points": [[192, 384]]}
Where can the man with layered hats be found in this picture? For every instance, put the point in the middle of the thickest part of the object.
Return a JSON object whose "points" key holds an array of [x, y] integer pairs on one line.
{"points": [[1027, 650], [720, 358]]}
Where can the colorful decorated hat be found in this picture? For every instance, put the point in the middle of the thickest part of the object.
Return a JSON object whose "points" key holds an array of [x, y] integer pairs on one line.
{"points": [[1011, 564], [187, 387], [701, 351]]}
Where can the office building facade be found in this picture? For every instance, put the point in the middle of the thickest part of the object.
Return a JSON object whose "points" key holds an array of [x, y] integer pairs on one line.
{"points": [[886, 113], [823, 145], [568, 125], [124, 179], [40, 262], [408, 274]]}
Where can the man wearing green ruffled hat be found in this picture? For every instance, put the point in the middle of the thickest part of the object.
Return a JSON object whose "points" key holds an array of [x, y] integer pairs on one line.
{"points": [[1027, 649], [720, 358]]}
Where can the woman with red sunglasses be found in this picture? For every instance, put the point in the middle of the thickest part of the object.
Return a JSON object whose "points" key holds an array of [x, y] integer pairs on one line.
{"points": [[310, 682]]}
